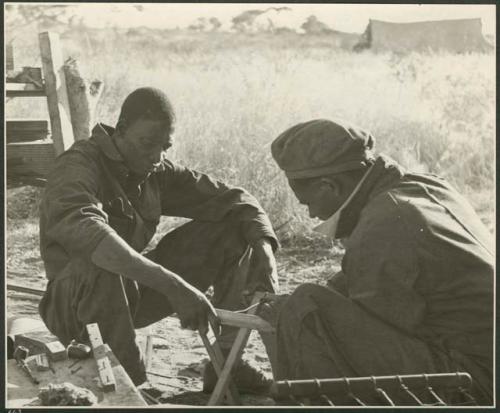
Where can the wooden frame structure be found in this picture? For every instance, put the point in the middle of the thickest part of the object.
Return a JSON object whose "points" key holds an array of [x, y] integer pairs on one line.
{"points": [[31, 146]]}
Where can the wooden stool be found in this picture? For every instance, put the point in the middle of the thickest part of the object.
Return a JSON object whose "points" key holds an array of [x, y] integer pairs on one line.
{"points": [[246, 322]]}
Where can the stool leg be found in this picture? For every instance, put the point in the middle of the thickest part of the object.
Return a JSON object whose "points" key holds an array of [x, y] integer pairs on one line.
{"points": [[234, 355], [217, 359], [232, 358]]}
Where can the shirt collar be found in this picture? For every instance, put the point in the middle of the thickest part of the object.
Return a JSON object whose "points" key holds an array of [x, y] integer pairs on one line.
{"points": [[103, 136], [382, 175]]}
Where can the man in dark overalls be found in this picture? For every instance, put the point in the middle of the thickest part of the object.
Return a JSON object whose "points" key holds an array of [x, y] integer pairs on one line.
{"points": [[415, 290], [102, 206]]}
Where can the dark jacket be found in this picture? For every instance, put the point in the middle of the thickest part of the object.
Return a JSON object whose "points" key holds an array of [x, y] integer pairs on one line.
{"points": [[419, 258]]}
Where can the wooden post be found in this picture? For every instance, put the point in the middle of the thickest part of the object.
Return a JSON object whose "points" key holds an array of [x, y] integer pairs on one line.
{"points": [[55, 88]]}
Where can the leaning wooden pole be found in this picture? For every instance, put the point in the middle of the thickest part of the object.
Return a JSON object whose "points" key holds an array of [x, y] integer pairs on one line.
{"points": [[83, 95], [55, 88]]}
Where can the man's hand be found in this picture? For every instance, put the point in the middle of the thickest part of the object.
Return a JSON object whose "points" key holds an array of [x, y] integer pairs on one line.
{"points": [[264, 271], [192, 307]]}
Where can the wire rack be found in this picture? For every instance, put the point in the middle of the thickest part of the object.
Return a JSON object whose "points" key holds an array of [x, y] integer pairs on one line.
{"points": [[448, 389]]}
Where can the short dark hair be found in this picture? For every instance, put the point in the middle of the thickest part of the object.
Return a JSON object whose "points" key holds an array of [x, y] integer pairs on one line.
{"points": [[147, 103]]}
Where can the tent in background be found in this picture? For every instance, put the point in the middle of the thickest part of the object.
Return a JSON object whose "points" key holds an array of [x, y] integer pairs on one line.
{"points": [[458, 36]]}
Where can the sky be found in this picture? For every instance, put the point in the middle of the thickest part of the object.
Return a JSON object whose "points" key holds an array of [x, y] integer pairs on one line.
{"points": [[344, 17]]}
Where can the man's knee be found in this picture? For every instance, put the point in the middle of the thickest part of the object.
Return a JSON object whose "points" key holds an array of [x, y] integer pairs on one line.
{"points": [[299, 303], [198, 236], [308, 298], [305, 292]]}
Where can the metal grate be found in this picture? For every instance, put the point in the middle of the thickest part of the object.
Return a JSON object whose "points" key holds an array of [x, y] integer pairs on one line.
{"points": [[401, 390]]}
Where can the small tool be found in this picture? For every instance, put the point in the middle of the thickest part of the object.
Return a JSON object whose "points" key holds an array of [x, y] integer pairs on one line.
{"points": [[78, 350]]}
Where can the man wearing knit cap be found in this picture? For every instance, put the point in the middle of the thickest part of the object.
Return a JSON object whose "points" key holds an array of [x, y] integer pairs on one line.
{"points": [[101, 207], [415, 290]]}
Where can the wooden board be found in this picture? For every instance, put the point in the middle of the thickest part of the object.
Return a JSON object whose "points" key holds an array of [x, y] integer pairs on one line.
{"points": [[30, 158], [241, 320], [26, 130], [57, 95], [99, 352], [23, 90], [21, 392]]}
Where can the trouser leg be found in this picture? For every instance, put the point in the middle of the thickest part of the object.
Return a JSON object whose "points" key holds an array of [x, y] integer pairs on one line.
{"points": [[98, 297], [322, 334]]}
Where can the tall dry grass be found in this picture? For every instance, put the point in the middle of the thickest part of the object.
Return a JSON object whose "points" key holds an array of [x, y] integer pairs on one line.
{"points": [[234, 94]]}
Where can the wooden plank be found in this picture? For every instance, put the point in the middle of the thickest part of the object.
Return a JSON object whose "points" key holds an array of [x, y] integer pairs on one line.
{"points": [[103, 364], [23, 90], [30, 158], [55, 86], [26, 130], [22, 289], [241, 320]]}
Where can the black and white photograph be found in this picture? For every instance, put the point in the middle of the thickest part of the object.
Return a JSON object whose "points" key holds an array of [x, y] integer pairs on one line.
{"points": [[249, 205]]}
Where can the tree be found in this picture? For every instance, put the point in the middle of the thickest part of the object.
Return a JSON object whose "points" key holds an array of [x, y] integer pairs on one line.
{"points": [[18, 16], [199, 25], [215, 22], [243, 21], [313, 26]]}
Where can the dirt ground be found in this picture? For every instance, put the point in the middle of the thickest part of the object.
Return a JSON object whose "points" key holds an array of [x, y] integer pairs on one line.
{"points": [[179, 355]]}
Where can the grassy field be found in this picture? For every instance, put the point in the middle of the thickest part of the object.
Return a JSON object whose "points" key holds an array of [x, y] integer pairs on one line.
{"points": [[234, 94]]}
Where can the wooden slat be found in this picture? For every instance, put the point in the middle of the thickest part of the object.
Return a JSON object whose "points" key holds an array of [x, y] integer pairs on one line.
{"points": [[23, 89], [103, 363], [26, 130], [215, 354], [57, 96], [243, 320], [30, 158], [22, 289]]}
